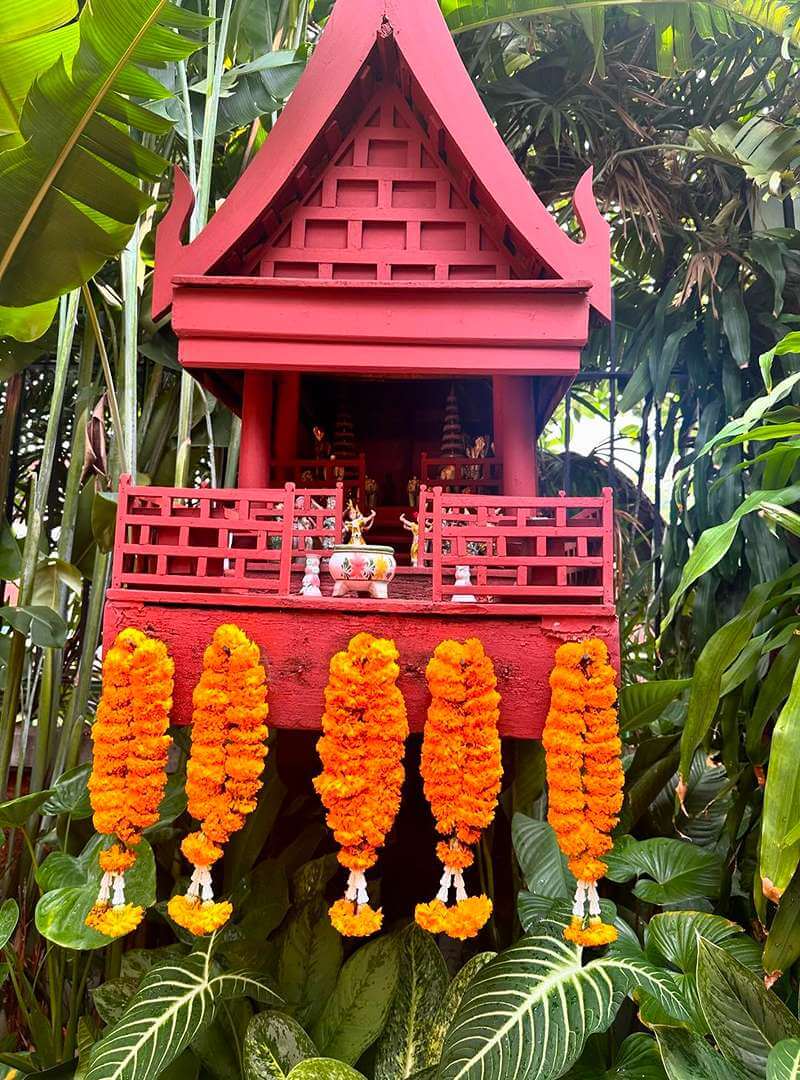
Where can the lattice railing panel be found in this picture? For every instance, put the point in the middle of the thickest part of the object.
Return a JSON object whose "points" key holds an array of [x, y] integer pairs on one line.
{"points": [[220, 541], [481, 476], [520, 550]]}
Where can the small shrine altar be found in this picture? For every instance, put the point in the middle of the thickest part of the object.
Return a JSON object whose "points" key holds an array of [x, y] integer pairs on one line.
{"points": [[394, 314]]}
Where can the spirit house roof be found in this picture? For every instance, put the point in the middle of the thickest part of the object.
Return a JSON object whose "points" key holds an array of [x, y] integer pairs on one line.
{"points": [[383, 228]]}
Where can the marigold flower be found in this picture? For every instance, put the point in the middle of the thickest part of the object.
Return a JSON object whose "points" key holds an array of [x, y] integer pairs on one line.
{"points": [[223, 775], [584, 774], [129, 767], [461, 770], [355, 923], [116, 921], [364, 729], [199, 917]]}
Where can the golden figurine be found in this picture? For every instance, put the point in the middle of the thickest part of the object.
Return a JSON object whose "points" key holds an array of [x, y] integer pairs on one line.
{"points": [[413, 528], [357, 524]]}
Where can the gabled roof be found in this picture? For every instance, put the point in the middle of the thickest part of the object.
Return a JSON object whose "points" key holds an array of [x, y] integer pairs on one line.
{"points": [[365, 40]]}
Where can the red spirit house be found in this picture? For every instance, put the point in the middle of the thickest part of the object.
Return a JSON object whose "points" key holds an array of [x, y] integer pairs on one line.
{"points": [[383, 249]]}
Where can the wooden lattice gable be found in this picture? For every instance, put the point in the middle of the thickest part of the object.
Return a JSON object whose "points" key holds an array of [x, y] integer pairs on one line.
{"points": [[387, 209], [368, 47]]}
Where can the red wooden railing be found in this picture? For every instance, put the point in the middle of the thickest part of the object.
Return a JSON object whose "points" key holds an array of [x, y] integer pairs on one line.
{"points": [[220, 541], [520, 550], [528, 552], [478, 475]]}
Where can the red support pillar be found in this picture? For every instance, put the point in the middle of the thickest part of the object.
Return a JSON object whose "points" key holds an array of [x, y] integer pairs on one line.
{"points": [[254, 455], [287, 420], [515, 433]]}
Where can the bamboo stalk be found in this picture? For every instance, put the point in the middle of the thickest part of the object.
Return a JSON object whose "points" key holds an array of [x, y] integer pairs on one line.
{"points": [[30, 554]]}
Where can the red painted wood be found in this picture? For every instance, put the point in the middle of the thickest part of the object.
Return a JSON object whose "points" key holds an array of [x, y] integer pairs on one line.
{"points": [[327, 472], [515, 420], [256, 446], [406, 43], [287, 421], [297, 647]]}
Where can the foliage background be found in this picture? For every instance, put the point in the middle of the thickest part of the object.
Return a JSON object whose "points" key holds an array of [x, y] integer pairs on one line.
{"points": [[688, 113]]}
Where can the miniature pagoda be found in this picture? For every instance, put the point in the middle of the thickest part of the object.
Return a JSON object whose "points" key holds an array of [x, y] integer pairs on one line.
{"points": [[383, 249]]}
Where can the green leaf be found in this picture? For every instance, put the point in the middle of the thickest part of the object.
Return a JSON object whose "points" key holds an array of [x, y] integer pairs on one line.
{"points": [[667, 871], [715, 543], [641, 704], [543, 866], [309, 960], [16, 812], [687, 1056], [70, 794], [672, 939], [44, 626], [71, 189], [452, 1001], [61, 912], [529, 1011], [719, 652], [736, 324], [782, 948], [104, 519], [638, 1059], [745, 1018], [404, 1047], [112, 997], [9, 917], [357, 1011], [783, 1062], [274, 1044], [324, 1069], [10, 557], [60, 871], [173, 1005], [780, 855]]}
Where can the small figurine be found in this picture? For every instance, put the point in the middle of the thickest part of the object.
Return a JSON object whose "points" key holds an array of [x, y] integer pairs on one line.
{"points": [[307, 478], [413, 528], [322, 444], [310, 586], [413, 492], [371, 492], [357, 524], [448, 474], [463, 579]]}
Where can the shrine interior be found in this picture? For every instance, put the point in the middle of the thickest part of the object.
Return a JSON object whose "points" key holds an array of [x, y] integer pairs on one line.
{"points": [[392, 423]]}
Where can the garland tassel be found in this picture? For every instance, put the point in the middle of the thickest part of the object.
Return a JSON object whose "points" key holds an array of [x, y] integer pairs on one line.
{"points": [[223, 776], [584, 775], [461, 770], [364, 729], [129, 770]]}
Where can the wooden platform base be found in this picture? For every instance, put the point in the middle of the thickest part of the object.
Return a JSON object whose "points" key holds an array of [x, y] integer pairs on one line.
{"points": [[298, 638]]}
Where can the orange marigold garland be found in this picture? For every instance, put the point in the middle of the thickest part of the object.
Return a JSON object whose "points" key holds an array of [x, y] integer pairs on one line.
{"points": [[223, 776], [362, 746], [461, 769], [584, 775], [129, 770]]}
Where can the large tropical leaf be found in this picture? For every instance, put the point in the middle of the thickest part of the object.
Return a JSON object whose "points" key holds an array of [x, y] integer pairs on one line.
{"points": [[527, 1014], [688, 1056], [404, 1048], [779, 852], [766, 150], [273, 1045], [745, 1018], [172, 1006], [358, 1008], [472, 14], [71, 191], [667, 871], [783, 1062], [543, 866], [32, 37]]}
